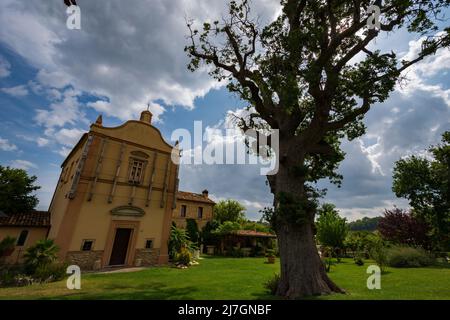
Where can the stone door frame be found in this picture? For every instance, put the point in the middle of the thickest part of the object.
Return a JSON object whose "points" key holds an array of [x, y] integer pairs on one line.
{"points": [[131, 250]]}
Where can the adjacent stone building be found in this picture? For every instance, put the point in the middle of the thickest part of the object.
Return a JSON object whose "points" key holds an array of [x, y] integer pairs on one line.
{"points": [[193, 206]]}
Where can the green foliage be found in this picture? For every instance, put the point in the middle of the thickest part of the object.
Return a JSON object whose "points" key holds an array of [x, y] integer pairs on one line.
{"points": [[328, 262], [228, 227], [299, 71], [270, 253], [272, 284], [354, 241], [359, 258], [331, 228], [364, 224], [42, 254], [291, 209], [50, 272], [425, 183], [229, 210], [7, 244], [178, 239], [310, 74], [409, 257], [192, 231], [360, 242], [183, 257], [16, 189], [14, 276], [208, 236], [379, 253], [256, 226]]}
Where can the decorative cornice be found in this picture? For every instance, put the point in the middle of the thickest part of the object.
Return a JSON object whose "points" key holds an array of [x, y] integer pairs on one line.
{"points": [[128, 211]]}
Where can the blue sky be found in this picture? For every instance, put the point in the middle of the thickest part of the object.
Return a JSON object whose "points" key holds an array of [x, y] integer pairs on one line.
{"points": [[54, 82]]}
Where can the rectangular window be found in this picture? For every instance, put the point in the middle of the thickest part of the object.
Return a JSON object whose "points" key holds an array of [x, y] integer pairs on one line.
{"points": [[136, 171], [22, 238], [183, 211], [200, 213], [87, 245], [149, 244]]}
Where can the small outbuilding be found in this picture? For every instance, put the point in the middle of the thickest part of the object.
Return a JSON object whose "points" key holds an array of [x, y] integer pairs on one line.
{"points": [[246, 243], [27, 228]]}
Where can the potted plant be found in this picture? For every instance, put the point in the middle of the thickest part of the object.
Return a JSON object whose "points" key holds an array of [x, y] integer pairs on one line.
{"points": [[270, 254], [7, 246]]}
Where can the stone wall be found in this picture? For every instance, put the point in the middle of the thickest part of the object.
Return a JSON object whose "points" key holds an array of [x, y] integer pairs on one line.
{"points": [[146, 257], [86, 260]]}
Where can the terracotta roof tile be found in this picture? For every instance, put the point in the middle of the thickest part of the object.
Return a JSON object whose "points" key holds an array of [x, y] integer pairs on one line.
{"points": [[253, 233], [190, 196], [28, 219]]}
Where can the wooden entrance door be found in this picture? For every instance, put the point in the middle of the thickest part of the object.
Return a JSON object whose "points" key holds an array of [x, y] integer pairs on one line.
{"points": [[120, 247]]}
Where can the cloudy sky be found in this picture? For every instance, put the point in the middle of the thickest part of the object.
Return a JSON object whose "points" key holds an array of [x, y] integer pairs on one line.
{"points": [[54, 82]]}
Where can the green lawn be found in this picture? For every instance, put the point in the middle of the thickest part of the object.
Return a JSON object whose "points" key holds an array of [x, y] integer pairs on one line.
{"points": [[227, 278]]}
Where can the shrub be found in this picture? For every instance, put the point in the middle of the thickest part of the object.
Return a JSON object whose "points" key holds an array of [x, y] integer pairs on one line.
{"points": [[50, 272], [183, 257], [178, 240], [270, 253], [328, 262], [13, 276], [378, 252], [192, 231], [7, 244], [408, 257], [272, 284], [359, 258]]}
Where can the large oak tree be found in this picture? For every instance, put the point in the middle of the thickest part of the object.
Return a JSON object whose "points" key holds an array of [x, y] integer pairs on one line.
{"points": [[312, 75]]}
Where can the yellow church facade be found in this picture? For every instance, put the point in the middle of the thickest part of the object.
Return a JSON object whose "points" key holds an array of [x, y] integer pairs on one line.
{"points": [[117, 196]]}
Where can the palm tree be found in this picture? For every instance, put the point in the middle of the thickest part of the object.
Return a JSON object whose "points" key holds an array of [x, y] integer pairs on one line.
{"points": [[44, 252]]}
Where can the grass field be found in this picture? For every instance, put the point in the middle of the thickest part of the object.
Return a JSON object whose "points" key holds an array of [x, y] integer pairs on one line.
{"points": [[227, 278]]}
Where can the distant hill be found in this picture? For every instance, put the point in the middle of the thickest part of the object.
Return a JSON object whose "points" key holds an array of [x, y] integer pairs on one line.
{"points": [[364, 224]]}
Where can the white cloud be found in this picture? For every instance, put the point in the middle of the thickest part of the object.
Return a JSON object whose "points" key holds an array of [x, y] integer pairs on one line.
{"points": [[420, 74], [65, 111], [373, 152], [17, 91], [5, 145], [130, 55], [23, 164], [40, 141], [5, 67], [68, 137], [64, 151]]}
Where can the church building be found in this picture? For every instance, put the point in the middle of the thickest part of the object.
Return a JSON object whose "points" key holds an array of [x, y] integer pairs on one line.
{"points": [[117, 196]]}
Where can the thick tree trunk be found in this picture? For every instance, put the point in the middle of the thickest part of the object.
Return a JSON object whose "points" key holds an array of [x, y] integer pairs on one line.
{"points": [[302, 271]]}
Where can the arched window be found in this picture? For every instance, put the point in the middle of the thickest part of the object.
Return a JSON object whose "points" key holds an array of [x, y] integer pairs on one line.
{"points": [[22, 238]]}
